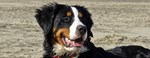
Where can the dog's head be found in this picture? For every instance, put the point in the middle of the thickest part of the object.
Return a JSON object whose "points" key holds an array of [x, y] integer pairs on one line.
{"points": [[66, 26]]}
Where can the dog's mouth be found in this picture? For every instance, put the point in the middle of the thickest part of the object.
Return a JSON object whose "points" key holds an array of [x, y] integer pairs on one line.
{"points": [[72, 43]]}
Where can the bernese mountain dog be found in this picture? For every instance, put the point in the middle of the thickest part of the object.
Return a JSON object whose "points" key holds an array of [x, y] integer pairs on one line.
{"points": [[67, 32]]}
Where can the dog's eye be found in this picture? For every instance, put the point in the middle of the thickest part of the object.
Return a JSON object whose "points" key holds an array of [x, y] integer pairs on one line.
{"points": [[66, 19]]}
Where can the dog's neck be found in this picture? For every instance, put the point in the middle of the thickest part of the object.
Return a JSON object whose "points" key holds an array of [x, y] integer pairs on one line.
{"points": [[65, 56]]}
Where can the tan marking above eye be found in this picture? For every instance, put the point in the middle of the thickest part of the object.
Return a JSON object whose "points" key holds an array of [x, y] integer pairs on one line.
{"points": [[69, 14], [80, 14]]}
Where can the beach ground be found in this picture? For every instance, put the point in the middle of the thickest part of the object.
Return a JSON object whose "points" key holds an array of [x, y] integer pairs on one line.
{"points": [[116, 23]]}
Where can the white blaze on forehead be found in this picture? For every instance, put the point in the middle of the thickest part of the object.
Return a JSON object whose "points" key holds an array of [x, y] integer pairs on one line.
{"points": [[76, 22]]}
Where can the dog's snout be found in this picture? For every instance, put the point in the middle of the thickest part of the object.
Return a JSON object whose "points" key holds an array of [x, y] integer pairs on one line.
{"points": [[81, 29]]}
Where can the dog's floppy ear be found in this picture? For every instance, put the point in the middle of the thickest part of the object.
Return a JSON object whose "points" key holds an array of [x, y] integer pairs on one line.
{"points": [[45, 16]]}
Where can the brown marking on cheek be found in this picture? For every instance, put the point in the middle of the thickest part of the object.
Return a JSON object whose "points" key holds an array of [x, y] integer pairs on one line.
{"points": [[80, 14], [60, 33], [69, 14]]}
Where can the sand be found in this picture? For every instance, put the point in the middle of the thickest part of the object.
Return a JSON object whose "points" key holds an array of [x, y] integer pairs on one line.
{"points": [[116, 23]]}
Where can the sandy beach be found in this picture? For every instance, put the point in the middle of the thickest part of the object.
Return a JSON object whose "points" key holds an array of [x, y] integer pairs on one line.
{"points": [[116, 23]]}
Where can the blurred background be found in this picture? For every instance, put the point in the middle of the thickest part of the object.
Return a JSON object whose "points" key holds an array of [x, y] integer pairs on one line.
{"points": [[116, 23]]}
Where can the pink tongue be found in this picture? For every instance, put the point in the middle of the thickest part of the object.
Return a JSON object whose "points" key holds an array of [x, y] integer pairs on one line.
{"points": [[77, 44], [72, 43]]}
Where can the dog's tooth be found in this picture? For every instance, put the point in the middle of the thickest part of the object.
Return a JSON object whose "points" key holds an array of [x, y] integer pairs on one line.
{"points": [[66, 38]]}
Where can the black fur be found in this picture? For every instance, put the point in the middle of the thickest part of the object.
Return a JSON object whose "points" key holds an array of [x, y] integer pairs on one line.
{"points": [[45, 16], [132, 51]]}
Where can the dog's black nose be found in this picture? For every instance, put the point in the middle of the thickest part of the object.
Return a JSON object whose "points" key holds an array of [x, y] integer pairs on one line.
{"points": [[81, 29]]}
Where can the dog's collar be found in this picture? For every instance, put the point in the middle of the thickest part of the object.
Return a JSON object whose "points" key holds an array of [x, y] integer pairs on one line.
{"points": [[57, 56], [60, 57]]}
